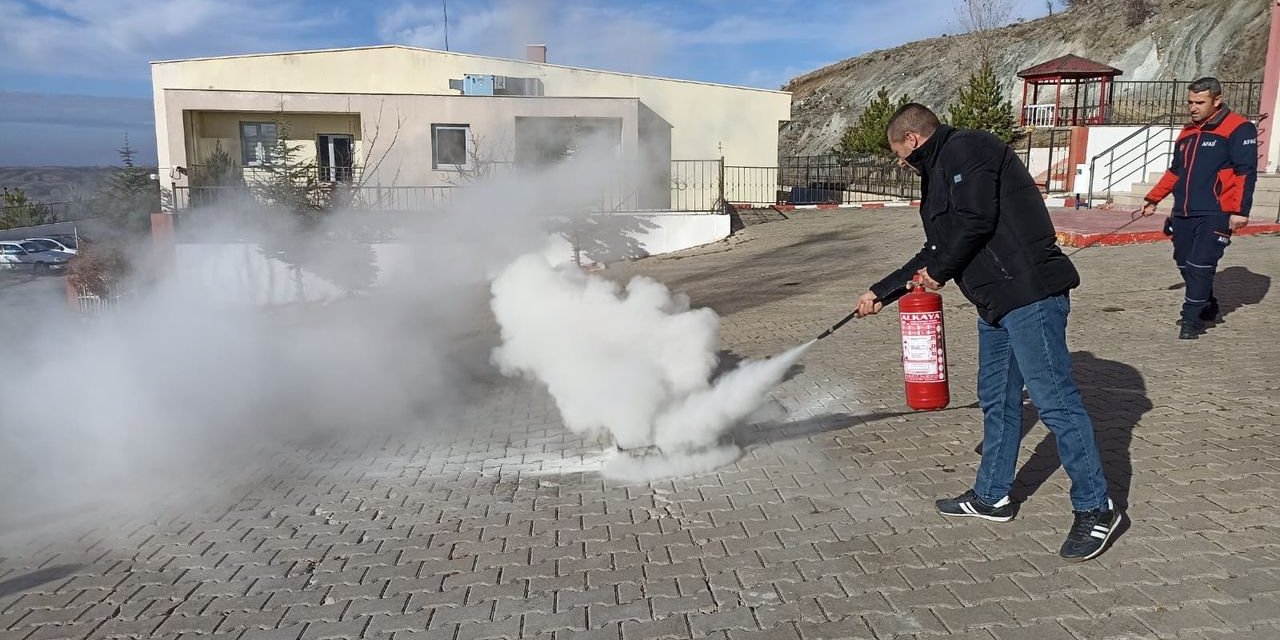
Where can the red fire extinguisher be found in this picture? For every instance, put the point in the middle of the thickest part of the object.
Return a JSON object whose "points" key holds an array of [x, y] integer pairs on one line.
{"points": [[924, 349]]}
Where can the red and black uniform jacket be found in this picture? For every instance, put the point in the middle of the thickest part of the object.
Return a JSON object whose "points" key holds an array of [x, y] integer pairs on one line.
{"points": [[1214, 168]]}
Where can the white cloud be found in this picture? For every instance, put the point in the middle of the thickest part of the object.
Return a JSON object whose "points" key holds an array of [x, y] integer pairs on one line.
{"points": [[579, 34], [93, 38], [671, 37]]}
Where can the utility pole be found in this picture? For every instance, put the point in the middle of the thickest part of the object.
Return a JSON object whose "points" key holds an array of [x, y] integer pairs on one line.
{"points": [[445, 4]]}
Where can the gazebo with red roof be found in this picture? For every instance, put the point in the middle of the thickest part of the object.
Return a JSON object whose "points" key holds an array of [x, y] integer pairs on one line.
{"points": [[1080, 75]]}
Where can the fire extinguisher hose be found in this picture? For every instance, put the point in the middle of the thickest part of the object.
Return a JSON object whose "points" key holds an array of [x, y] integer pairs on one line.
{"points": [[886, 301]]}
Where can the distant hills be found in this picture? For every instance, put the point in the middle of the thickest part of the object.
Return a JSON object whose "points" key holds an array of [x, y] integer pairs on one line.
{"points": [[56, 184]]}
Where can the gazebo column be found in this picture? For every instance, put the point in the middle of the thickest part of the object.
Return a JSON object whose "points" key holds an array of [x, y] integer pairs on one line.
{"points": [[1057, 100], [1023, 118], [1075, 102], [1103, 116]]}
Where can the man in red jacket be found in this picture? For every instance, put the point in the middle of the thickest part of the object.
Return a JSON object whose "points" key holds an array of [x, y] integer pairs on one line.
{"points": [[1214, 169]]}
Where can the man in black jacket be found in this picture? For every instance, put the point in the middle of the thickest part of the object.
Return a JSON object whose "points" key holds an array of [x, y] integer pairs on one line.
{"points": [[987, 228]]}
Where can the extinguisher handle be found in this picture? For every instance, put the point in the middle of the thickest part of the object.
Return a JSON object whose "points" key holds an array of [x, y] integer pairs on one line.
{"points": [[893, 296]]}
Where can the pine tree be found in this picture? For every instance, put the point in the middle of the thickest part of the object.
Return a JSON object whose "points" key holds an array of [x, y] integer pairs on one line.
{"points": [[290, 180], [21, 211], [867, 134], [130, 195], [981, 105]]}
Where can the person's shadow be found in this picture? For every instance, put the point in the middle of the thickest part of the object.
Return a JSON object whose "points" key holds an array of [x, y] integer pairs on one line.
{"points": [[1235, 287], [1115, 395]]}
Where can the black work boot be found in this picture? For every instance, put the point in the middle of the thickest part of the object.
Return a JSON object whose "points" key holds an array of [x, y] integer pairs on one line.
{"points": [[1190, 330], [1210, 312]]}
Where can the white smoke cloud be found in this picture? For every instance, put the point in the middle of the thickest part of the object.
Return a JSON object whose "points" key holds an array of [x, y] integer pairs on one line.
{"points": [[634, 363], [260, 337]]}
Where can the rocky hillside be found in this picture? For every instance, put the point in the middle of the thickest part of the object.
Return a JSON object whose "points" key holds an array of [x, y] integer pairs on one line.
{"points": [[1184, 39]]}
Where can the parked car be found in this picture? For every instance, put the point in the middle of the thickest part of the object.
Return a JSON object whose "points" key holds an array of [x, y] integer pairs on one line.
{"points": [[24, 255], [55, 244]]}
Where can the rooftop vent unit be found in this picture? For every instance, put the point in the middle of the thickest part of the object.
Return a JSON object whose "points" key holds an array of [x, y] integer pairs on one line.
{"points": [[488, 85]]}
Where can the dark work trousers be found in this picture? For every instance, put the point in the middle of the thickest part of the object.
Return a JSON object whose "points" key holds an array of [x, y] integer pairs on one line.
{"points": [[1198, 244]]}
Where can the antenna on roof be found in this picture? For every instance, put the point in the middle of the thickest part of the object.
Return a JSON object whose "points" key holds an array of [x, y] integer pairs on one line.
{"points": [[445, 3]]}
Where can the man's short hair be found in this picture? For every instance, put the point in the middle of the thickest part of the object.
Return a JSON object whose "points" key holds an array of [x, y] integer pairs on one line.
{"points": [[1207, 83], [912, 118]]}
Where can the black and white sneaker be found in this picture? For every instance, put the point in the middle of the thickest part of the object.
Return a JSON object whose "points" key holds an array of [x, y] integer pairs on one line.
{"points": [[1091, 533], [968, 504]]}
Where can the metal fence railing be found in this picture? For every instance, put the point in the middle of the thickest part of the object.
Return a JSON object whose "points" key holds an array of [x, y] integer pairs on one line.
{"points": [[374, 198], [1137, 102], [685, 186], [1046, 155], [234, 175], [1129, 160], [752, 185], [45, 212], [1132, 102], [830, 178]]}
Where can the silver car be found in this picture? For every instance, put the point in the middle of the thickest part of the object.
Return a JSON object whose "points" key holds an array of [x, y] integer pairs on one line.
{"points": [[29, 255], [54, 244]]}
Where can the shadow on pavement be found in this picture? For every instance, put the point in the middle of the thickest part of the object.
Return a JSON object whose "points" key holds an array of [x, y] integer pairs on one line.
{"points": [[751, 434], [36, 578], [1236, 287], [1115, 395]]}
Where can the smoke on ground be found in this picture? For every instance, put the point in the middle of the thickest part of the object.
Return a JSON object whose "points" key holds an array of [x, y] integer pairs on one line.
{"points": [[261, 335], [633, 363]]}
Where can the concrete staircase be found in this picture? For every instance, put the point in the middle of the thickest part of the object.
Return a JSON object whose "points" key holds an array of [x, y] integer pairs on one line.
{"points": [[1266, 196]]}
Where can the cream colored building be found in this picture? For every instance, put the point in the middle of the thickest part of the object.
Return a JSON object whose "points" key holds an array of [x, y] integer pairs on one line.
{"points": [[396, 116]]}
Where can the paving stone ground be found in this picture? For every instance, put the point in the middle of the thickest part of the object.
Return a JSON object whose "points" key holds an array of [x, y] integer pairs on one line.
{"points": [[502, 528]]}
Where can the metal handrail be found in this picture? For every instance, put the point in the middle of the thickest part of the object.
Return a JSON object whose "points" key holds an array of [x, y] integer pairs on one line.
{"points": [[1165, 120]]}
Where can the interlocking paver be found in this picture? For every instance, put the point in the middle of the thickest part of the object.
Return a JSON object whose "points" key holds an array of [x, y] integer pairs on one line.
{"points": [[501, 527]]}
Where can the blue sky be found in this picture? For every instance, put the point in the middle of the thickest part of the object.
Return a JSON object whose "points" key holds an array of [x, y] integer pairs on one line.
{"points": [[76, 77]]}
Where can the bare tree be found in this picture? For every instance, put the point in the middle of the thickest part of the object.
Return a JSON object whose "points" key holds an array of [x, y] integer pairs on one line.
{"points": [[1136, 12], [374, 153], [979, 18], [485, 159]]}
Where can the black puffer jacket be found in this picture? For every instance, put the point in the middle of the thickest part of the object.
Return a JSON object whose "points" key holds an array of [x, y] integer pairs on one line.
{"points": [[985, 224]]}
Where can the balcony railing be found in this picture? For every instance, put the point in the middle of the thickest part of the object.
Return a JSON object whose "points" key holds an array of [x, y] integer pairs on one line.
{"points": [[687, 186]]}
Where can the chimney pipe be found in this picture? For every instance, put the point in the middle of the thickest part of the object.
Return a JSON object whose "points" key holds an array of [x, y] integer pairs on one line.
{"points": [[536, 53]]}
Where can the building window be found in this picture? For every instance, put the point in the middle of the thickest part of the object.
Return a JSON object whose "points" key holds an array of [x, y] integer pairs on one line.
{"points": [[257, 139], [449, 146], [335, 153]]}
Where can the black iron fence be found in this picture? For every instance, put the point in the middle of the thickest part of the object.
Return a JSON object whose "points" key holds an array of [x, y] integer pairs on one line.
{"points": [[1133, 102], [1141, 101], [830, 178], [1046, 154]]}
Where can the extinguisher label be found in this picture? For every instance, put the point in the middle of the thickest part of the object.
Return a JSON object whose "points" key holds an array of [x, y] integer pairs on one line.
{"points": [[923, 356]]}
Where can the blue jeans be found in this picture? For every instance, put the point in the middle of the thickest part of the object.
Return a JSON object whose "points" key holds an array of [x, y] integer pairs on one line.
{"points": [[1029, 345]]}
